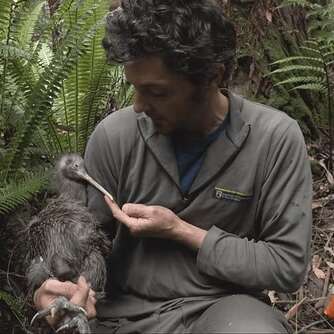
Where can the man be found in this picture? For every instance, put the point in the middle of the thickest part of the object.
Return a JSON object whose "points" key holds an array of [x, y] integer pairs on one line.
{"points": [[213, 191]]}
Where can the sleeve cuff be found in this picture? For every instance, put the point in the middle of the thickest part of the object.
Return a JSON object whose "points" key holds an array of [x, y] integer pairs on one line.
{"points": [[205, 252]]}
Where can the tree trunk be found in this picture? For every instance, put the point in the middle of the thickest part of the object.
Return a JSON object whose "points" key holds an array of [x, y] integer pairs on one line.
{"points": [[265, 34]]}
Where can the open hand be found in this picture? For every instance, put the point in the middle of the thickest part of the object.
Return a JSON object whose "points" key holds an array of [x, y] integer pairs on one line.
{"points": [[147, 221]]}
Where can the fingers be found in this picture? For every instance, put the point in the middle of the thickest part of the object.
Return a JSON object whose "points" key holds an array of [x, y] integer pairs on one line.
{"points": [[92, 293], [51, 289], [81, 295], [128, 210], [66, 289], [136, 210], [85, 297], [118, 213], [90, 308]]}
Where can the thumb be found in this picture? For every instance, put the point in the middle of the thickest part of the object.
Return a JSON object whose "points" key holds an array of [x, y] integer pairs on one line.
{"points": [[136, 210]]}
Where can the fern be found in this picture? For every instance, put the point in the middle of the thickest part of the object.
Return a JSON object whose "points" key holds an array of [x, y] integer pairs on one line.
{"points": [[15, 193], [13, 52], [294, 3], [87, 90], [316, 87], [310, 50], [302, 79], [315, 77], [51, 94], [299, 68], [27, 21], [16, 305], [84, 91], [299, 58], [48, 87]]}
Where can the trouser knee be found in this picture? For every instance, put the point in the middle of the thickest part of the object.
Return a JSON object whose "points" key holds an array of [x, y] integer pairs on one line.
{"points": [[240, 314]]}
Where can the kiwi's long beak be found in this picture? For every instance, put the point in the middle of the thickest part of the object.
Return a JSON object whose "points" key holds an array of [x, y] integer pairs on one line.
{"points": [[89, 179]]}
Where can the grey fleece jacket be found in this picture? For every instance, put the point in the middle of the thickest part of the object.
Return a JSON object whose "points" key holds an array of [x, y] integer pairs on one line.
{"points": [[252, 194]]}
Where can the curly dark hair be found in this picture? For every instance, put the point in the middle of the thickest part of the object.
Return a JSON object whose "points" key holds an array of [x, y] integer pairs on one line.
{"points": [[192, 36]]}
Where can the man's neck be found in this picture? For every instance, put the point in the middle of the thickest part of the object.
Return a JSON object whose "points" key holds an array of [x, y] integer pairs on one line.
{"points": [[210, 115]]}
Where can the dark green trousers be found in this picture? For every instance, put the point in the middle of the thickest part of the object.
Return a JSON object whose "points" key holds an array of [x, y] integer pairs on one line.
{"points": [[237, 313]]}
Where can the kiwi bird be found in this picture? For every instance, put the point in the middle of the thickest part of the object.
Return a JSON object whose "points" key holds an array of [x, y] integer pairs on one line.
{"points": [[65, 241]]}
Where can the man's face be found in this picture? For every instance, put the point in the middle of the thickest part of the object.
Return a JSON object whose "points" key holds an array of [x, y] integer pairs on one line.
{"points": [[170, 100]]}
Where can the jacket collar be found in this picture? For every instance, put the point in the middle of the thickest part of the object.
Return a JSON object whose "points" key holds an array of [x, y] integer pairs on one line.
{"points": [[219, 153]]}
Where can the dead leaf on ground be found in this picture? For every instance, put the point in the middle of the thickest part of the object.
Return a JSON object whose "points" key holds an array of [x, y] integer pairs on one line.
{"points": [[316, 262], [319, 273]]}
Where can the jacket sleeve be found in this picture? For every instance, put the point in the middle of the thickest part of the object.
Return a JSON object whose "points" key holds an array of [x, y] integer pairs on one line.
{"points": [[278, 258], [99, 165]]}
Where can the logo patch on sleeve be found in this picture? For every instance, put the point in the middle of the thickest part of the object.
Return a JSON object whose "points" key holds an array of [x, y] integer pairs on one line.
{"points": [[231, 195]]}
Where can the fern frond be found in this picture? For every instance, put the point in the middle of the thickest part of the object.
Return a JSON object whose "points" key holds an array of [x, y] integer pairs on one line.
{"points": [[122, 92], [5, 17], [16, 305], [312, 42], [311, 50], [294, 3], [48, 87], [85, 91], [45, 55], [328, 54], [12, 51], [301, 79], [15, 193], [291, 59], [317, 87], [27, 22], [6, 22], [326, 45], [292, 68]]}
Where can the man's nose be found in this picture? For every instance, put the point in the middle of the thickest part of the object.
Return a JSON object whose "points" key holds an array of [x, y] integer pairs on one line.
{"points": [[140, 104]]}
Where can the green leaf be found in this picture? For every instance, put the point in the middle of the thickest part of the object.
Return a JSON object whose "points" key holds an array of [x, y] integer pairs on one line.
{"points": [[16, 305], [327, 54], [13, 52], [308, 49], [294, 58], [317, 87], [300, 79], [40, 100], [16, 192], [294, 3], [292, 68], [5, 17], [312, 42], [27, 22]]}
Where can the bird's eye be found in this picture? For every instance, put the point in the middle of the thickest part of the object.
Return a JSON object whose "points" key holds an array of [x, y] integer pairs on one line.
{"points": [[76, 165]]}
